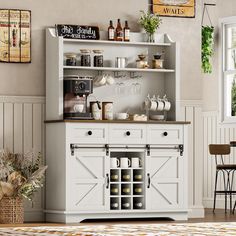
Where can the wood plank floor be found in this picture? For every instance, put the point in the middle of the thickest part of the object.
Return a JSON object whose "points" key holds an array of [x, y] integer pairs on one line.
{"points": [[219, 216]]}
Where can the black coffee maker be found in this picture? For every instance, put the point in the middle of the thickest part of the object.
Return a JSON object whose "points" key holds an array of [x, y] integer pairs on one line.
{"points": [[76, 91]]}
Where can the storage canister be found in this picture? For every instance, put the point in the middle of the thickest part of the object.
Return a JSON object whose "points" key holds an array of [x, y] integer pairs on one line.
{"points": [[107, 110]]}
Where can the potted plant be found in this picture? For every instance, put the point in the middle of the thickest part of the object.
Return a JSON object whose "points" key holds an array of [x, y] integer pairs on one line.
{"points": [[21, 175], [150, 23]]}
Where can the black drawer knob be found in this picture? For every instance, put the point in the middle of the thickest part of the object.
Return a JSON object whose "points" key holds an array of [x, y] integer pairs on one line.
{"points": [[165, 133], [128, 133], [90, 132]]}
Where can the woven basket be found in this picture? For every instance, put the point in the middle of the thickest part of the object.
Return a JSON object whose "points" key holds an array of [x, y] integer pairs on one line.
{"points": [[11, 210]]}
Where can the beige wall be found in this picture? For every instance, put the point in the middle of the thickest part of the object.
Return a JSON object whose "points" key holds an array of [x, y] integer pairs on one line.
{"points": [[211, 97], [19, 79]]}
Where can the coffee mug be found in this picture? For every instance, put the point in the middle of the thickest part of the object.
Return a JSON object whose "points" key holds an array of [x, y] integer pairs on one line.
{"points": [[151, 104], [167, 106], [114, 162], [110, 80], [124, 162], [122, 116], [136, 162], [160, 106], [100, 80], [78, 107]]}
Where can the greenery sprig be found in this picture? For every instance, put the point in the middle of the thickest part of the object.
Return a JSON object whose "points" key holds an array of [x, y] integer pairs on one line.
{"points": [[150, 22], [207, 48]]}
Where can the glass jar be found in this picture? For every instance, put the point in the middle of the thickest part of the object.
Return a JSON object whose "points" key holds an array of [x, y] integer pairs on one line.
{"points": [[98, 58], [70, 59], [85, 57]]}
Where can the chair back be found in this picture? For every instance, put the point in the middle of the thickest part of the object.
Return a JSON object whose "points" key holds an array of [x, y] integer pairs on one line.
{"points": [[219, 149]]}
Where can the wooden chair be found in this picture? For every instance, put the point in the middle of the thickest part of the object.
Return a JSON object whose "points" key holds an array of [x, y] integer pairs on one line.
{"points": [[227, 170]]}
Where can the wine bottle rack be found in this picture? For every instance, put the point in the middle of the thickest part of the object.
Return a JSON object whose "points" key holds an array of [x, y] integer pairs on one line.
{"points": [[127, 189]]}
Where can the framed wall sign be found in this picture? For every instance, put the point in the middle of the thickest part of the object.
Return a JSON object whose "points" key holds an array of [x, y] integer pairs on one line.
{"points": [[177, 8], [15, 36], [78, 31]]}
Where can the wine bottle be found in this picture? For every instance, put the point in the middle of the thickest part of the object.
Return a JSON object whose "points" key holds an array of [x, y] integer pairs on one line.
{"points": [[126, 32], [119, 31], [111, 31]]}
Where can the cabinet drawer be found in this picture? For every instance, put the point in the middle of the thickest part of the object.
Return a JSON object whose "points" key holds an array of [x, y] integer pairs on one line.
{"points": [[87, 133], [127, 134], [165, 134]]}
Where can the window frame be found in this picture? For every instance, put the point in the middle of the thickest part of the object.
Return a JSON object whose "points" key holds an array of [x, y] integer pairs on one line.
{"points": [[224, 72]]}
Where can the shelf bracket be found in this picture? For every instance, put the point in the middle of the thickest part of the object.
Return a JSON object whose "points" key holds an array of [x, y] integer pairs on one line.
{"points": [[181, 149]]}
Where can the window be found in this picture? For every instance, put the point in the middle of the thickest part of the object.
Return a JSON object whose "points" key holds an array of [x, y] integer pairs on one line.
{"points": [[228, 69]]}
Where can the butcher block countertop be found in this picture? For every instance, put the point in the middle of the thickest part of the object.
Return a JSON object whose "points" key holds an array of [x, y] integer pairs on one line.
{"points": [[121, 122]]}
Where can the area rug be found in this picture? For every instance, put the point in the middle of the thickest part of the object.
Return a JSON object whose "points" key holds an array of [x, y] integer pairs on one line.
{"points": [[188, 229]]}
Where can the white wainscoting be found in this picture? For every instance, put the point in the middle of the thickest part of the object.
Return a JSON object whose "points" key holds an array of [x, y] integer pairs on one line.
{"points": [[215, 132], [192, 111], [22, 129]]}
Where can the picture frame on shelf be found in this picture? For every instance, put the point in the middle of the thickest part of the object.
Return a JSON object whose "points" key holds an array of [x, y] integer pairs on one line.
{"points": [[15, 36], [174, 8]]}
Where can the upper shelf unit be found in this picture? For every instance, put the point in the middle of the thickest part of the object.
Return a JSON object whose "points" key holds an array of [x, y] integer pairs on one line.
{"points": [[145, 44], [118, 69]]}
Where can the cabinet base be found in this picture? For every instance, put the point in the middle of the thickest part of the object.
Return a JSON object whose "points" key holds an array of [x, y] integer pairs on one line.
{"points": [[64, 217]]}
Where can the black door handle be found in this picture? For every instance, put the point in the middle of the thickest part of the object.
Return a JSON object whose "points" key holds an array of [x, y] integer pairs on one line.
{"points": [[165, 133], [128, 133], [90, 132]]}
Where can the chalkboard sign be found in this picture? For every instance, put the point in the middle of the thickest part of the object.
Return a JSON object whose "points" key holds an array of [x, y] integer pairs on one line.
{"points": [[78, 31]]}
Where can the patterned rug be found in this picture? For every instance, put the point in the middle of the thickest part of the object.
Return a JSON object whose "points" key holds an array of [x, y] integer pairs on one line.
{"points": [[188, 229]]}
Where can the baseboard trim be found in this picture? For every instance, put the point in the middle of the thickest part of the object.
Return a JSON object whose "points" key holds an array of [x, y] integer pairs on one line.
{"points": [[196, 212], [220, 203], [34, 216]]}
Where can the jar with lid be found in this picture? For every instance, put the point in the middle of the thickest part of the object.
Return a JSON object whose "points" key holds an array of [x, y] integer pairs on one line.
{"points": [[107, 110], [70, 59], [85, 57], [98, 58]]}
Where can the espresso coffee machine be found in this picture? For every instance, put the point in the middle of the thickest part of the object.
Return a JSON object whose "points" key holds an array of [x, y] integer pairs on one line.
{"points": [[76, 91]]}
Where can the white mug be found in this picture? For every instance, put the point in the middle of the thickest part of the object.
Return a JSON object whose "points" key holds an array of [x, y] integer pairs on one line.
{"points": [[114, 162], [160, 106], [115, 204], [122, 116], [152, 105], [167, 106], [100, 80], [110, 80], [124, 162], [136, 162], [79, 107]]}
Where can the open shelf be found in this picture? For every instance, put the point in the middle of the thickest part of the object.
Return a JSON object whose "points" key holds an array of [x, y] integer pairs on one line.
{"points": [[118, 69], [116, 42]]}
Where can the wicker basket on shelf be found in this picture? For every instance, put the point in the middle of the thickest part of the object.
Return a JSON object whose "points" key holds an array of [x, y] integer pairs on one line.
{"points": [[11, 210]]}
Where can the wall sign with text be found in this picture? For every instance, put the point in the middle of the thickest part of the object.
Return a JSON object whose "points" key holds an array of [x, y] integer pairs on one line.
{"points": [[177, 8], [15, 35], [78, 31]]}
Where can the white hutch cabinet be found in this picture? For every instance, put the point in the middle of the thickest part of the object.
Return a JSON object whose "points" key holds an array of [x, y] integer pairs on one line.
{"points": [[80, 183]]}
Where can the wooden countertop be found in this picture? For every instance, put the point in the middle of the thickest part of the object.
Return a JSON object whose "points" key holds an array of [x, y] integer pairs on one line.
{"points": [[120, 121]]}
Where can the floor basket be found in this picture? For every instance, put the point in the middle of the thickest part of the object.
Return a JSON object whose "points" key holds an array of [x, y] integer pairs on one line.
{"points": [[11, 210]]}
